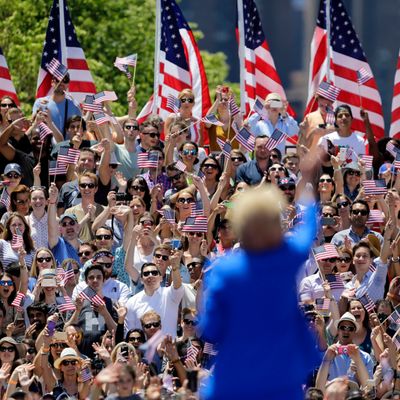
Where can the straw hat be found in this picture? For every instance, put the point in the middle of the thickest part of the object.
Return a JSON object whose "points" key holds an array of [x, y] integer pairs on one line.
{"points": [[66, 354]]}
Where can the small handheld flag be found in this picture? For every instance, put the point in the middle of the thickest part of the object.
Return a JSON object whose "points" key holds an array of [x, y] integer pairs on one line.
{"points": [[92, 296], [226, 148], [275, 139], [173, 103], [246, 139], [328, 91], [363, 76], [377, 187], [57, 69]]}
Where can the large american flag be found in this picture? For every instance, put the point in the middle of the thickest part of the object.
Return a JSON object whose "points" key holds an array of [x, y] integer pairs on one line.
{"points": [[395, 125], [259, 76], [6, 84], [346, 58], [178, 63], [62, 43]]}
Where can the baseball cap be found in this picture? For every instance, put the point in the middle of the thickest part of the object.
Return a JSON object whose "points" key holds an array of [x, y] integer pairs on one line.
{"points": [[286, 181], [386, 167], [69, 215], [13, 167]]}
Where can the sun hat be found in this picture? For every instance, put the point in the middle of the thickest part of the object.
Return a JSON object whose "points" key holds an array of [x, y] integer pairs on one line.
{"points": [[66, 354]]}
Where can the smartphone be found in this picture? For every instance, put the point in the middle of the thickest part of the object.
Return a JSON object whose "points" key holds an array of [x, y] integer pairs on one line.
{"points": [[342, 153], [51, 327], [342, 350], [124, 352], [328, 221], [175, 244], [192, 380], [61, 336], [276, 104]]}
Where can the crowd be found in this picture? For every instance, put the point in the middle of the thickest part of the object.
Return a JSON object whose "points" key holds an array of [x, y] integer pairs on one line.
{"points": [[113, 234]]}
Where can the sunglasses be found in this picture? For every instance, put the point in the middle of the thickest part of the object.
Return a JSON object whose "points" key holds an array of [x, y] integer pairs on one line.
{"points": [[132, 127], [237, 159], [105, 265], [198, 234], [343, 204], [152, 134], [113, 166], [70, 223], [212, 166], [161, 256], [175, 177], [344, 259], [86, 253], [187, 100], [42, 259], [331, 260], [5, 349], [153, 272], [364, 213], [103, 237], [192, 266], [356, 173], [68, 362], [189, 152], [274, 156], [11, 175], [190, 322], [152, 325], [182, 200], [273, 169], [147, 223], [76, 271], [20, 202], [346, 328], [6, 283], [87, 185], [138, 188], [59, 345], [327, 215], [135, 339], [5, 105], [288, 187], [326, 180]]}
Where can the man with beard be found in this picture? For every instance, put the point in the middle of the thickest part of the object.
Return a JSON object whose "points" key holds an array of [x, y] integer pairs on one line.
{"points": [[37, 315], [358, 230], [60, 107], [293, 211], [253, 171]]}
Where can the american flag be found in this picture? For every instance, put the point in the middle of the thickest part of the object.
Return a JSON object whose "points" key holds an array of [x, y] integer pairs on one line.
{"points": [[17, 241], [62, 43], [6, 84], [392, 149], [259, 77], [275, 139], [68, 273], [92, 296], [56, 168], [173, 103], [368, 161], [322, 304], [340, 66], [367, 302], [328, 91], [44, 131], [372, 268], [168, 214], [101, 118], [65, 304], [377, 187], [86, 375], [180, 165], [335, 281], [246, 139], [18, 302], [226, 148], [396, 340], [394, 318], [325, 251], [396, 162], [213, 120], [57, 69], [147, 160], [197, 209], [196, 224], [233, 107], [122, 64], [259, 109], [67, 155], [330, 116], [192, 352], [209, 349], [375, 216], [104, 96], [90, 105], [363, 76], [179, 64], [5, 199], [395, 124]]}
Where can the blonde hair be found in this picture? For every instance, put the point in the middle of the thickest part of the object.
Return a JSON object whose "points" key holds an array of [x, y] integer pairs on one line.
{"points": [[256, 202], [185, 92], [34, 269], [117, 348]]}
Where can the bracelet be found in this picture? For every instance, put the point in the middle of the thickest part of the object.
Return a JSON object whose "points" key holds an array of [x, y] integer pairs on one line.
{"points": [[396, 260], [44, 353], [50, 202], [11, 382]]}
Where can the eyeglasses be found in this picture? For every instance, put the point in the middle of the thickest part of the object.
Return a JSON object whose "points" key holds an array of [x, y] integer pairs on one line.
{"points": [[186, 100], [273, 169], [103, 237], [287, 187], [135, 339], [6, 283], [11, 175], [198, 234], [87, 185], [353, 172], [86, 253], [274, 156], [5, 105], [344, 259], [345, 328], [59, 345], [138, 188], [70, 223], [189, 152], [326, 180], [153, 272], [20, 202], [68, 362], [331, 260], [152, 325], [147, 222], [364, 213], [343, 204], [188, 200], [190, 322], [4, 349], [161, 256], [192, 266], [237, 159], [105, 265], [212, 166], [132, 127], [152, 134], [43, 259], [175, 177]]}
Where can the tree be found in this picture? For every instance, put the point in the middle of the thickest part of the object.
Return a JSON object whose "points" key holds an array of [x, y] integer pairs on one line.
{"points": [[105, 29]]}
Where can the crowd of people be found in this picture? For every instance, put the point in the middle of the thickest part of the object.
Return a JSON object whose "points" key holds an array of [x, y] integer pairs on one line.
{"points": [[119, 265]]}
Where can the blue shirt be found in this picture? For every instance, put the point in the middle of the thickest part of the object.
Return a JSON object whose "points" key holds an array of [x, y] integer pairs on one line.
{"points": [[338, 238], [63, 250], [250, 173]]}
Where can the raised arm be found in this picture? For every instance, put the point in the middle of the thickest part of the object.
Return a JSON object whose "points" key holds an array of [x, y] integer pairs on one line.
{"points": [[130, 268], [175, 260], [52, 222], [199, 184]]}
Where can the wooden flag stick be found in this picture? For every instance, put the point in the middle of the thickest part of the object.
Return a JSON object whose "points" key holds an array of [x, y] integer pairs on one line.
{"points": [[134, 72], [359, 94]]}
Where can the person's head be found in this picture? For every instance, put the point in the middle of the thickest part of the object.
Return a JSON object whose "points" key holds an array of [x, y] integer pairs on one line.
{"points": [[257, 218], [147, 222], [344, 262], [313, 393], [20, 200], [362, 257], [161, 257], [149, 135], [384, 306], [186, 97], [184, 200], [343, 117], [329, 210], [104, 259], [69, 227], [359, 213], [135, 337], [86, 160], [74, 333], [86, 251], [131, 129], [188, 152], [6, 102], [260, 151], [69, 363], [30, 349], [39, 197], [225, 233], [151, 276], [323, 103], [9, 350], [15, 224], [347, 327], [126, 381], [176, 177], [288, 187], [237, 158], [137, 186], [195, 267], [327, 265], [151, 323], [7, 287], [37, 314], [88, 184], [355, 307], [352, 176], [189, 322], [60, 87], [94, 277], [276, 171], [13, 174], [326, 185], [104, 237], [211, 168], [180, 128], [43, 259], [75, 125], [291, 162], [241, 187], [343, 204], [275, 156]]}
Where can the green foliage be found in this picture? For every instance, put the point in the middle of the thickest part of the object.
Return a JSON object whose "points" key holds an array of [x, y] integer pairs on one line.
{"points": [[106, 29]]}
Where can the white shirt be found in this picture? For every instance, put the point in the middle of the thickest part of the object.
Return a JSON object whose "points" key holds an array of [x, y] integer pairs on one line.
{"points": [[189, 297], [353, 141], [112, 288], [164, 301], [311, 289], [39, 230]]}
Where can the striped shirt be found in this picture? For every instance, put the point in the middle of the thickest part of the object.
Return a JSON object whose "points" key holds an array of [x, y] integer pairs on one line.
{"points": [[9, 256]]}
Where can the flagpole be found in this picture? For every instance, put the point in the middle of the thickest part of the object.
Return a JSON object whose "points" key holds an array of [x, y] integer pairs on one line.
{"points": [[328, 39], [134, 72], [359, 94], [156, 55], [241, 56], [62, 33]]}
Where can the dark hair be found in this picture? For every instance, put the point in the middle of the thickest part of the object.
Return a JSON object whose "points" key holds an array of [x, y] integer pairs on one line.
{"points": [[279, 153], [385, 302], [146, 124], [329, 204], [90, 244], [3, 309], [148, 264], [363, 202], [41, 307], [13, 196], [142, 182], [365, 245], [195, 145], [343, 107], [314, 394], [92, 268], [365, 323], [75, 118], [88, 150], [212, 158], [8, 98], [139, 331], [107, 228], [7, 235], [14, 293]]}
